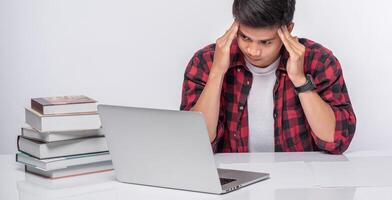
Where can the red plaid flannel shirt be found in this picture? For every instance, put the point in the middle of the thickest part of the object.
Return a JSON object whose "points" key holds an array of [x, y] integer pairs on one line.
{"points": [[292, 131]]}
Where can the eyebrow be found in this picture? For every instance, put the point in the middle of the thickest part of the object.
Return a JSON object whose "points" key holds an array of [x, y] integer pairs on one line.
{"points": [[264, 40]]}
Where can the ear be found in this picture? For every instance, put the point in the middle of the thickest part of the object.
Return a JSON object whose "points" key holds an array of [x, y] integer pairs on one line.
{"points": [[290, 26]]}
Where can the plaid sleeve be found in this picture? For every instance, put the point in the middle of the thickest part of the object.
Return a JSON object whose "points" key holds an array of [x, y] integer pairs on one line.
{"points": [[332, 89], [195, 79]]}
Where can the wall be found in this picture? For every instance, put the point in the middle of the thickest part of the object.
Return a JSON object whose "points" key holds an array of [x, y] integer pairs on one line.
{"points": [[128, 53]]}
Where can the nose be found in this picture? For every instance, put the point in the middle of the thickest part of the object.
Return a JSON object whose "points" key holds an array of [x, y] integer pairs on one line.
{"points": [[253, 50]]}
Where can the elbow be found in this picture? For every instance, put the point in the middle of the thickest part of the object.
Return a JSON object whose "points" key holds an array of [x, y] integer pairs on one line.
{"points": [[338, 146], [339, 149]]}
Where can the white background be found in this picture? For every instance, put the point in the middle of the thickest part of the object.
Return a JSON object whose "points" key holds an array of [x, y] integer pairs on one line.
{"points": [[134, 53]]}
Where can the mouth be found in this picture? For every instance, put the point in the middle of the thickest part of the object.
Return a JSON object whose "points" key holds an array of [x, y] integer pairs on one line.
{"points": [[254, 59]]}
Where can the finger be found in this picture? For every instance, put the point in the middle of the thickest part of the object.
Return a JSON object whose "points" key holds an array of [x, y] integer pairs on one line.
{"points": [[228, 38], [293, 40], [232, 35], [291, 43], [296, 44], [285, 41], [221, 41], [289, 37], [228, 31]]}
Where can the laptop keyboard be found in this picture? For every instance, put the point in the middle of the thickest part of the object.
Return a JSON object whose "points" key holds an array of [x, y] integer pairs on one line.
{"points": [[225, 181]]}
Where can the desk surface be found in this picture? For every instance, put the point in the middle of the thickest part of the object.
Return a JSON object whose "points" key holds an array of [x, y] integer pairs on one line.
{"points": [[312, 175]]}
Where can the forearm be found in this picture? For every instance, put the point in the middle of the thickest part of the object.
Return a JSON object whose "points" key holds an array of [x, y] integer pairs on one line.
{"points": [[319, 114], [209, 102]]}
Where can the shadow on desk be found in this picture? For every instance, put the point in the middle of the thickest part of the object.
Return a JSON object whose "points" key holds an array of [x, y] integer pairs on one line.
{"points": [[344, 193], [84, 187], [104, 186]]}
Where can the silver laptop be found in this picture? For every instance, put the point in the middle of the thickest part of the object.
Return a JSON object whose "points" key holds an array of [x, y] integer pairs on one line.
{"points": [[166, 148]]}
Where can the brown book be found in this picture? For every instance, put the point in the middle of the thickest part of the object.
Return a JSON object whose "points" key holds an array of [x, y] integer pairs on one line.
{"points": [[64, 104]]}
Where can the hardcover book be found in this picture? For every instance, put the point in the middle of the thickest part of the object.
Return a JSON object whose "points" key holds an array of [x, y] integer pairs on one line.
{"points": [[62, 122], [31, 133], [44, 150], [64, 104]]}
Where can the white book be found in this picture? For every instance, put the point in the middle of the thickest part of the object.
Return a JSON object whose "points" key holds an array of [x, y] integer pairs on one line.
{"points": [[72, 171], [44, 150], [62, 162], [62, 122], [31, 133]]}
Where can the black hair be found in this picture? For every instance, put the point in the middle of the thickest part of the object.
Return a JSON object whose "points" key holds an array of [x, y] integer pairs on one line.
{"points": [[263, 13]]}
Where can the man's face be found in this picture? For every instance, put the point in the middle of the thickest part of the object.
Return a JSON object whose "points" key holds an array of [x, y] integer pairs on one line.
{"points": [[260, 46]]}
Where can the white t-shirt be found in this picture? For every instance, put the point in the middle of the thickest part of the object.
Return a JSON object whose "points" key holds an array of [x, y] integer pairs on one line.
{"points": [[261, 107]]}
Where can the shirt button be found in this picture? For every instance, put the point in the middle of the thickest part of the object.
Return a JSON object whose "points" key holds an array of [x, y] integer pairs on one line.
{"points": [[235, 135], [275, 115], [241, 107], [247, 82], [238, 69]]}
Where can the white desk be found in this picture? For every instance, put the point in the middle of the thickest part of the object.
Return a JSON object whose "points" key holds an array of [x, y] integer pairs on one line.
{"points": [[355, 175]]}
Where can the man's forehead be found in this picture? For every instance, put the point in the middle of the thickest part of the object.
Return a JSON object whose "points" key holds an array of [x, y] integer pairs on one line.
{"points": [[258, 33]]}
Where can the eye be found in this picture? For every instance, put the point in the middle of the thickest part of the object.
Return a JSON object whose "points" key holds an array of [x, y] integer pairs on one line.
{"points": [[266, 42], [244, 37]]}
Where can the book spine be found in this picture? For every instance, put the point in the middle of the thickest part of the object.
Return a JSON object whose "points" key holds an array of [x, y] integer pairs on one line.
{"points": [[37, 106], [17, 143], [18, 146]]}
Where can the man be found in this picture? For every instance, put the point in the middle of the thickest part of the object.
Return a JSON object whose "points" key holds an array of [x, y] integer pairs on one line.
{"points": [[262, 89]]}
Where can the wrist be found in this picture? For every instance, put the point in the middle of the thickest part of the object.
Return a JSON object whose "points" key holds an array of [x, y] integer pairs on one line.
{"points": [[307, 86], [215, 72], [299, 81]]}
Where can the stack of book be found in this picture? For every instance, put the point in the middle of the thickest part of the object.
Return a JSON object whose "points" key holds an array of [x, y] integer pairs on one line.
{"points": [[62, 137]]}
